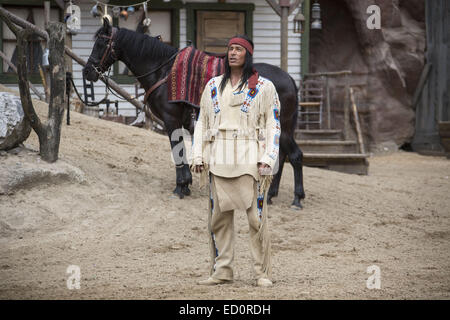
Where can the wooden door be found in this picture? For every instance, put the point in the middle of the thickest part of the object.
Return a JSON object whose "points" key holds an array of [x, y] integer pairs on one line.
{"points": [[215, 28]]}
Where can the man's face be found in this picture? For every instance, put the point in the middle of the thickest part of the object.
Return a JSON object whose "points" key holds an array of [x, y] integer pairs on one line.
{"points": [[236, 55]]}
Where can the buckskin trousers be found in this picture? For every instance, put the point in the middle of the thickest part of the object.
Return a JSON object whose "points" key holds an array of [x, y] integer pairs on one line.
{"points": [[226, 195]]}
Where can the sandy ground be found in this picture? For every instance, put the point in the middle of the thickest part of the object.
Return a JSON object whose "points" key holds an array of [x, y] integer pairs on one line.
{"points": [[133, 240]]}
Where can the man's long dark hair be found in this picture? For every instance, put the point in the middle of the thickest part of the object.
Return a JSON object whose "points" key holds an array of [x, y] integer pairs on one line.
{"points": [[247, 68]]}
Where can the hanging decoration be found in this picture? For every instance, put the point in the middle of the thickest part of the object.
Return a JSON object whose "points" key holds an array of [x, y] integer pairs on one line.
{"points": [[100, 9], [146, 23], [116, 12], [97, 10], [124, 14], [73, 18]]}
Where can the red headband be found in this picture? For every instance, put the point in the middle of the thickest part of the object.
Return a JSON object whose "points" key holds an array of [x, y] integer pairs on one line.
{"points": [[241, 42]]}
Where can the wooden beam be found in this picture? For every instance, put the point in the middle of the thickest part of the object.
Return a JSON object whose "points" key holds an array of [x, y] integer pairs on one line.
{"points": [[275, 6], [24, 24]]}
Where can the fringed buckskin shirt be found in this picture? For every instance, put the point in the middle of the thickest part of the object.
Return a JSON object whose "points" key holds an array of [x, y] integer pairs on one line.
{"points": [[237, 129]]}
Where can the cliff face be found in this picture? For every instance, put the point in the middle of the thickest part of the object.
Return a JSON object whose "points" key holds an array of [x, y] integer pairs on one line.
{"points": [[386, 63]]}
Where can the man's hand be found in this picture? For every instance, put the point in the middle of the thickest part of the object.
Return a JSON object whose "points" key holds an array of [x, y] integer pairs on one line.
{"points": [[198, 168], [264, 169]]}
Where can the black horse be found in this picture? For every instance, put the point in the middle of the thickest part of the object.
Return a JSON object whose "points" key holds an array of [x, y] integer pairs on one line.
{"points": [[150, 60]]}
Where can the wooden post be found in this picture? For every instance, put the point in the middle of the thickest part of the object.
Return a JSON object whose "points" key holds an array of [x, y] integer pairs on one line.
{"points": [[68, 61], [284, 4], [346, 109], [49, 134], [328, 103], [358, 127], [305, 39], [46, 13], [46, 75], [284, 9]]}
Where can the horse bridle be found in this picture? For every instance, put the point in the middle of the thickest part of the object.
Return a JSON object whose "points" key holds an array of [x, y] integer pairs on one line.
{"points": [[109, 47]]}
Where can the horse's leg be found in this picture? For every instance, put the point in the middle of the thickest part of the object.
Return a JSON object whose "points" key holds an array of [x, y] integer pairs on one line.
{"points": [[189, 129], [183, 175], [186, 180], [274, 186], [296, 159]]}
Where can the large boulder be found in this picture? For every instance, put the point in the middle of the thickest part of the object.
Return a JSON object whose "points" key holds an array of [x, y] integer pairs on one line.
{"points": [[386, 64], [14, 126]]}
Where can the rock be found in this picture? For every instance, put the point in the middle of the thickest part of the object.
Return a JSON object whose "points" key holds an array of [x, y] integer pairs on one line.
{"points": [[15, 151], [386, 64], [30, 173], [14, 127]]}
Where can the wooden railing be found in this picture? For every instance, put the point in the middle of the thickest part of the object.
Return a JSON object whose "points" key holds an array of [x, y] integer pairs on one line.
{"points": [[357, 124]]}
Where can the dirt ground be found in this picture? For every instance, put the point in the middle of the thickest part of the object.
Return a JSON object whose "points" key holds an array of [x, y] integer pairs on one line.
{"points": [[132, 239]]}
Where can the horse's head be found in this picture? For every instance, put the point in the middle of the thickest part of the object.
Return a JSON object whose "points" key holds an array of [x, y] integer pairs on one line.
{"points": [[103, 53]]}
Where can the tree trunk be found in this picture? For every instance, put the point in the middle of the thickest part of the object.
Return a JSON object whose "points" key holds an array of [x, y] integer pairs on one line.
{"points": [[48, 134], [49, 143]]}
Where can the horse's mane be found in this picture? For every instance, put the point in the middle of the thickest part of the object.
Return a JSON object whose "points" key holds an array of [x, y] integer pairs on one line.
{"points": [[141, 44]]}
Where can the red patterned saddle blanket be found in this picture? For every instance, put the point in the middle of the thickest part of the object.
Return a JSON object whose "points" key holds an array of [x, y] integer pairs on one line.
{"points": [[191, 71]]}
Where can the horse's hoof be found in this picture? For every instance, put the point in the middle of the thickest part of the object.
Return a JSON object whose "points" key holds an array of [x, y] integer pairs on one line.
{"points": [[186, 191], [296, 205], [178, 192], [269, 201]]}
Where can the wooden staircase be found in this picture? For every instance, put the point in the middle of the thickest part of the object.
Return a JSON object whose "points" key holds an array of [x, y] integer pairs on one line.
{"points": [[332, 149], [328, 149]]}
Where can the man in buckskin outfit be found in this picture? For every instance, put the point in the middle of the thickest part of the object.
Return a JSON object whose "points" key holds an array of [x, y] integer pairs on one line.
{"points": [[235, 150]]}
